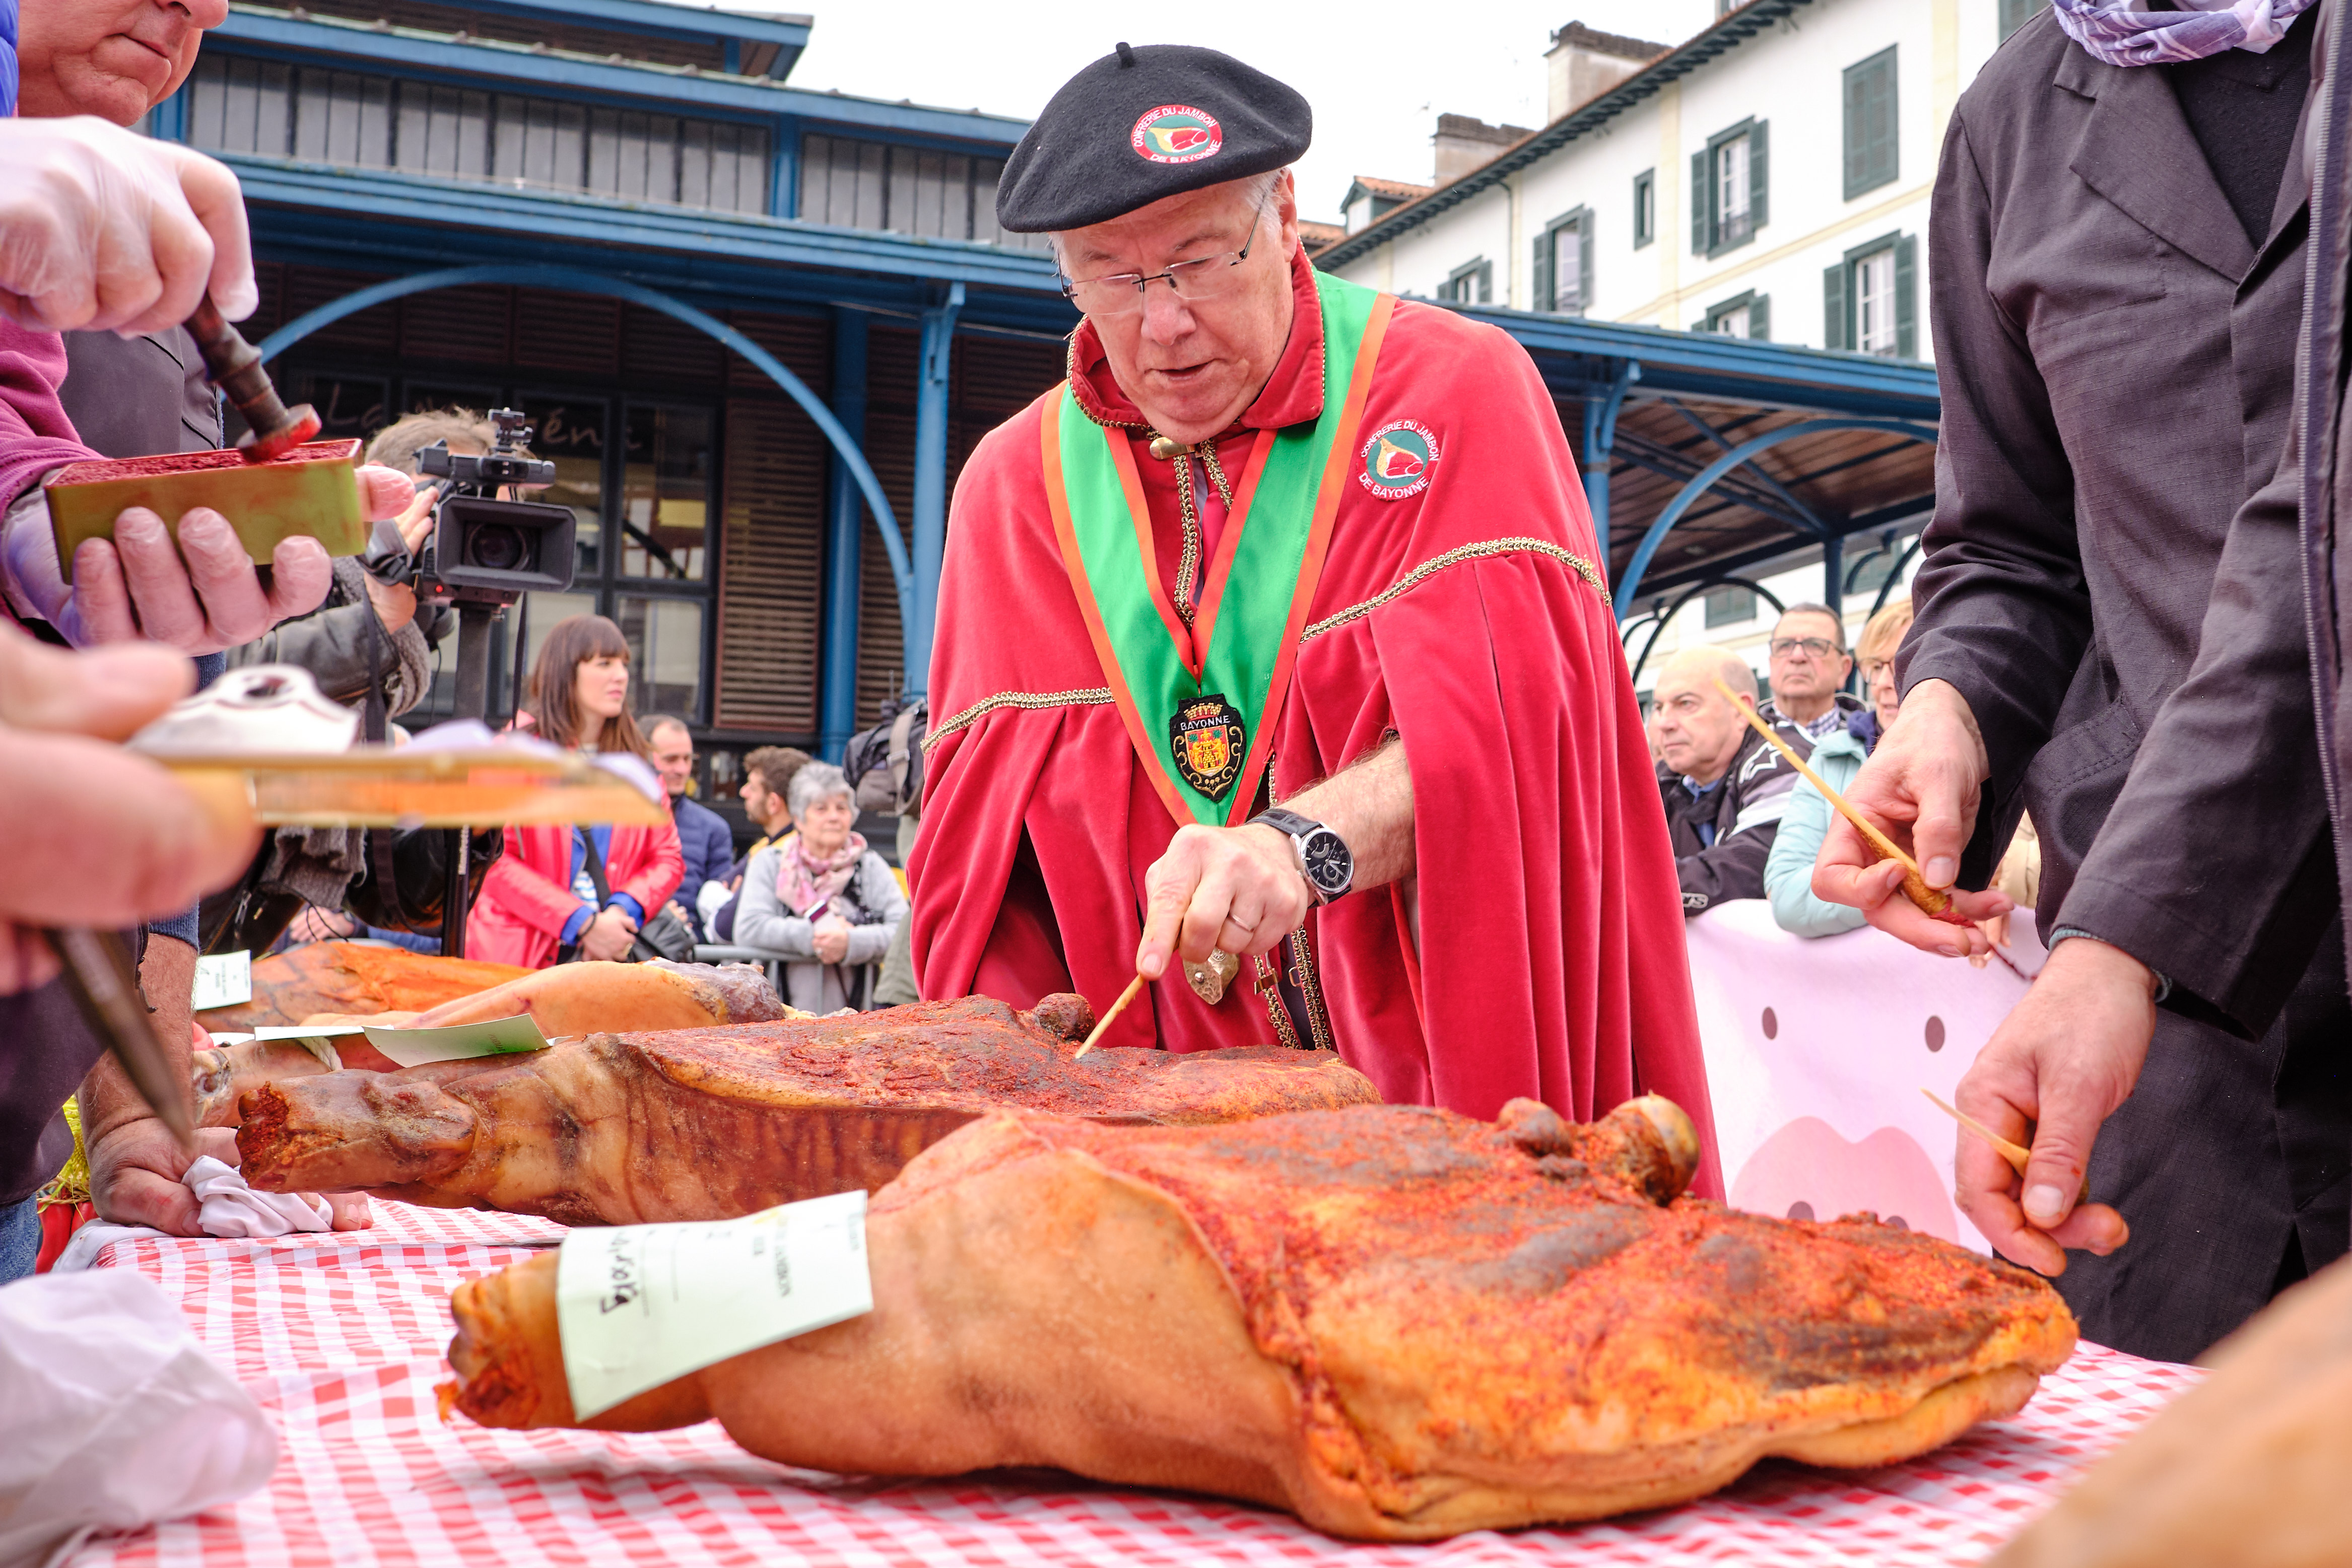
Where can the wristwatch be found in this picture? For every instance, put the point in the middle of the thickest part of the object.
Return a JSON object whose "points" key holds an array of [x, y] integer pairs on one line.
{"points": [[1323, 856]]}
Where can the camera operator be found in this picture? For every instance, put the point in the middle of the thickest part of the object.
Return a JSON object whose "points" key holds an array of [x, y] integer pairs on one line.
{"points": [[336, 643]]}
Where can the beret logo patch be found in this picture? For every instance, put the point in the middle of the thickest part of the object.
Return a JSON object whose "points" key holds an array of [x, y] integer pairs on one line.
{"points": [[1176, 134], [1397, 459]]}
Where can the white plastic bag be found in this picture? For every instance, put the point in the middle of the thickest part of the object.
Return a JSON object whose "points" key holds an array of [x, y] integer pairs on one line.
{"points": [[116, 1417]]}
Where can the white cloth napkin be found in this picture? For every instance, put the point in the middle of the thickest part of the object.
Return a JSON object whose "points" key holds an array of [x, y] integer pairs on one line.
{"points": [[115, 1416], [233, 1208]]}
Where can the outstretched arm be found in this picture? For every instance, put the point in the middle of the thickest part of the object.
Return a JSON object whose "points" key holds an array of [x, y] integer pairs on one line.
{"points": [[1239, 889]]}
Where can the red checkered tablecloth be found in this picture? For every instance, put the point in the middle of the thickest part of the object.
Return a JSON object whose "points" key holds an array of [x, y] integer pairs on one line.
{"points": [[341, 1338]]}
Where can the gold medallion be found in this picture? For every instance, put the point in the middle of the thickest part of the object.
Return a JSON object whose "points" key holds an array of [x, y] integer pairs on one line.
{"points": [[1165, 447], [1208, 980]]}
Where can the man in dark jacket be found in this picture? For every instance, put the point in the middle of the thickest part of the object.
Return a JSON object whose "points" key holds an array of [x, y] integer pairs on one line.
{"points": [[703, 836], [1723, 787], [2116, 250]]}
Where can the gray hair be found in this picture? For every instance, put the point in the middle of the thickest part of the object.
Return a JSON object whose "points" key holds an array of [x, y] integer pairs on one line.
{"points": [[1807, 607], [1253, 188], [818, 782]]}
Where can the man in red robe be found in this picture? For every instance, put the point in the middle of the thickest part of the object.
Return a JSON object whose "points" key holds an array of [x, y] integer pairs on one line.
{"points": [[1280, 540]]}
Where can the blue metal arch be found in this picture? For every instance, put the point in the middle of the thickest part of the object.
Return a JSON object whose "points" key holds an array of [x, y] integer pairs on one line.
{"points": [[577, 280], [1704, 480]]}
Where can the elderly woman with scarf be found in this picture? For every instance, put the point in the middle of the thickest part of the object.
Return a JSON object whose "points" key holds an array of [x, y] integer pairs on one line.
{"points": [[823, 897]]}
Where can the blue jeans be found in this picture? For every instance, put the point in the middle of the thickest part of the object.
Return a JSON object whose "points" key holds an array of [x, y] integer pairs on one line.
{"points": [[20, 1239]]}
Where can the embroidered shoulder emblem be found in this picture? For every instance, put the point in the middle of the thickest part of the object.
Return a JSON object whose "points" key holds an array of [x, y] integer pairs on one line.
{"points": [[1177, 134], [1397, 459]]}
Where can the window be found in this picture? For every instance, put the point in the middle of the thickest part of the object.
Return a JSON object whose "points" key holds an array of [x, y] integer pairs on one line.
{"points": [[1728, 189], [1645, 207], [1729, 607], [1747, 315], [1563, 269], [1870, 124], [240, 105], [1869, 300], [2014, 13], [1470, 284]]}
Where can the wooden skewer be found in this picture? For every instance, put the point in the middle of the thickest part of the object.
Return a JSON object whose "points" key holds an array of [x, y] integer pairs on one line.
{"points": [[2015, 1154], [1933, 900], [1134, 989]]}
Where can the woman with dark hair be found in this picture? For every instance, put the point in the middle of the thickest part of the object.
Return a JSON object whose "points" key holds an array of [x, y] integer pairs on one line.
{"points": [[542, 903]]}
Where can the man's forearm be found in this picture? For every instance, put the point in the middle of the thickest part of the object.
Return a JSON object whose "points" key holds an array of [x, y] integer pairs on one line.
{"points": [[1370, 805], [167, 976]]}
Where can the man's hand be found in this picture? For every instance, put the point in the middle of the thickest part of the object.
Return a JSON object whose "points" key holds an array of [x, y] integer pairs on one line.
{"points": [[2061, 1064], [103, 230], [200, 596], [135, 1168], [1236, 889], [1920, 787], [606, 937], [395, 603], [121, 840]]}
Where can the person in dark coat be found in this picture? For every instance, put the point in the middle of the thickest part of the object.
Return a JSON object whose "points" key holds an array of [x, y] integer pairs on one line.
{"points": [[1723, 787], [703, 836], [2117, 254]]}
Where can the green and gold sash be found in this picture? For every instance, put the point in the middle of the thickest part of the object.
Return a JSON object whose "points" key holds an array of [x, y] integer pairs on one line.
{"points": [[1198, 703]]}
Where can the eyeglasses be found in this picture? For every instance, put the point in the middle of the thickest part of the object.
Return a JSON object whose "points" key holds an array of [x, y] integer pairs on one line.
{"points": [[1811, 647], [1873, 668], [1206, 277]]}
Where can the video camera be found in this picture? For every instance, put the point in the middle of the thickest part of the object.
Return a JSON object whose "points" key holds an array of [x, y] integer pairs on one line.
{"points": [[485, 550]]}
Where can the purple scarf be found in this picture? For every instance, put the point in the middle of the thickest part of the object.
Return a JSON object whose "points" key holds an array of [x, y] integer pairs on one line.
{"points": [[2114, 32]]}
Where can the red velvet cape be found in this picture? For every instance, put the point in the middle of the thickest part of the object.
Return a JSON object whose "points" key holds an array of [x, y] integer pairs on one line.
{"points": [[1550, 963]]}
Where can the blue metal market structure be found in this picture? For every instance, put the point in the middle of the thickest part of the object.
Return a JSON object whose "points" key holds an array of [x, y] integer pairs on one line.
{"points": [[571, 171]]}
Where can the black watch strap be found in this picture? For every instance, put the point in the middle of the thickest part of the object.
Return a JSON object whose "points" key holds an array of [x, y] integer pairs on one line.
{"points": [[1320, 852]]}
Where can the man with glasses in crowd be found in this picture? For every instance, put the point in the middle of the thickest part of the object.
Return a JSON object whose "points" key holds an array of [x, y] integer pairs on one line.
{"points": [[1280, 541], [1810, 668]]}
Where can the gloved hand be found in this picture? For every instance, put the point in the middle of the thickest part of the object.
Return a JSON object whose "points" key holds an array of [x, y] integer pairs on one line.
{"points": [[205, 596], [100, 229]]}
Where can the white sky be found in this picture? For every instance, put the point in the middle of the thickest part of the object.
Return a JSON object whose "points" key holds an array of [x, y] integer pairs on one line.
{"points": [[1379, 72]]}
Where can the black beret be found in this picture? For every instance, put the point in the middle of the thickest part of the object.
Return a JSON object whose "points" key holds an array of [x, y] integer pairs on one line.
{"points": [[1143, 123]]}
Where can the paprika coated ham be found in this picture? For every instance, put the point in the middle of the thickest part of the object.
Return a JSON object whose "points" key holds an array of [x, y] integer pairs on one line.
{"points": [[569, 999], [1395, 1322], [296, 985], [709, 1124]]}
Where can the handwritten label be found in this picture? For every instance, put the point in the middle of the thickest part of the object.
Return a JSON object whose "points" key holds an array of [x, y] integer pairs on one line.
{"points": [[640, 1305], [224, 981], [456, 1042]]}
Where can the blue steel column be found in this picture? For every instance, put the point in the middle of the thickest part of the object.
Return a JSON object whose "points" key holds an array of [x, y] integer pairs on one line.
{"points": [[1600, 441], [844, 533], [1834, 573], [930, 483]]}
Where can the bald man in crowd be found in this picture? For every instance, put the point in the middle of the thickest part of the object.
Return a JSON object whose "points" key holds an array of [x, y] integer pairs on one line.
{"points": [[1723, 787]]}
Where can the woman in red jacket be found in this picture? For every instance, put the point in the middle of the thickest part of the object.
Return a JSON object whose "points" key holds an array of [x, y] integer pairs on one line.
{"points": [[538, 903]]}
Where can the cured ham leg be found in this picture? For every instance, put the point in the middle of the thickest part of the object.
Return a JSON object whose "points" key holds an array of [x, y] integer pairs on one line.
{"points": [[297, 985], [569, 999], [1396, 1322], [710, 1124]]}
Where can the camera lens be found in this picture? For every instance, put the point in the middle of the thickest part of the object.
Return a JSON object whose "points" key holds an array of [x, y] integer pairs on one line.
{"points": [[496, 547]]}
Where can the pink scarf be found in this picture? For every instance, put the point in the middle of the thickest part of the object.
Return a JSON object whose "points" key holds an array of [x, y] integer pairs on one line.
{"points": [[804, 885]]}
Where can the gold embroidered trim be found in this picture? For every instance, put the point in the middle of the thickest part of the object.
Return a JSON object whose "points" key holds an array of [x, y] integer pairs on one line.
{"points": [[1310, 985], [1188, 568], [1428, 568], [1269, 991], [1086, 697]]}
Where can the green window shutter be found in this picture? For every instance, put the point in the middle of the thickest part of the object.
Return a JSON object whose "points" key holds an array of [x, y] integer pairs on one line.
{"points": [[1485, 283], [1760, 211], [1871, 141], [1857, 115], [1540, 275], [1702, 194], [1584, 264], [1645, 207], [1906, 290], [1835, 330], [1760, 318], [2014, 13]]}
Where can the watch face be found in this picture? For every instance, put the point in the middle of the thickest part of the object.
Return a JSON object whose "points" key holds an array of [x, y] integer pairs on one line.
{"points": [[1329, 866]]}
